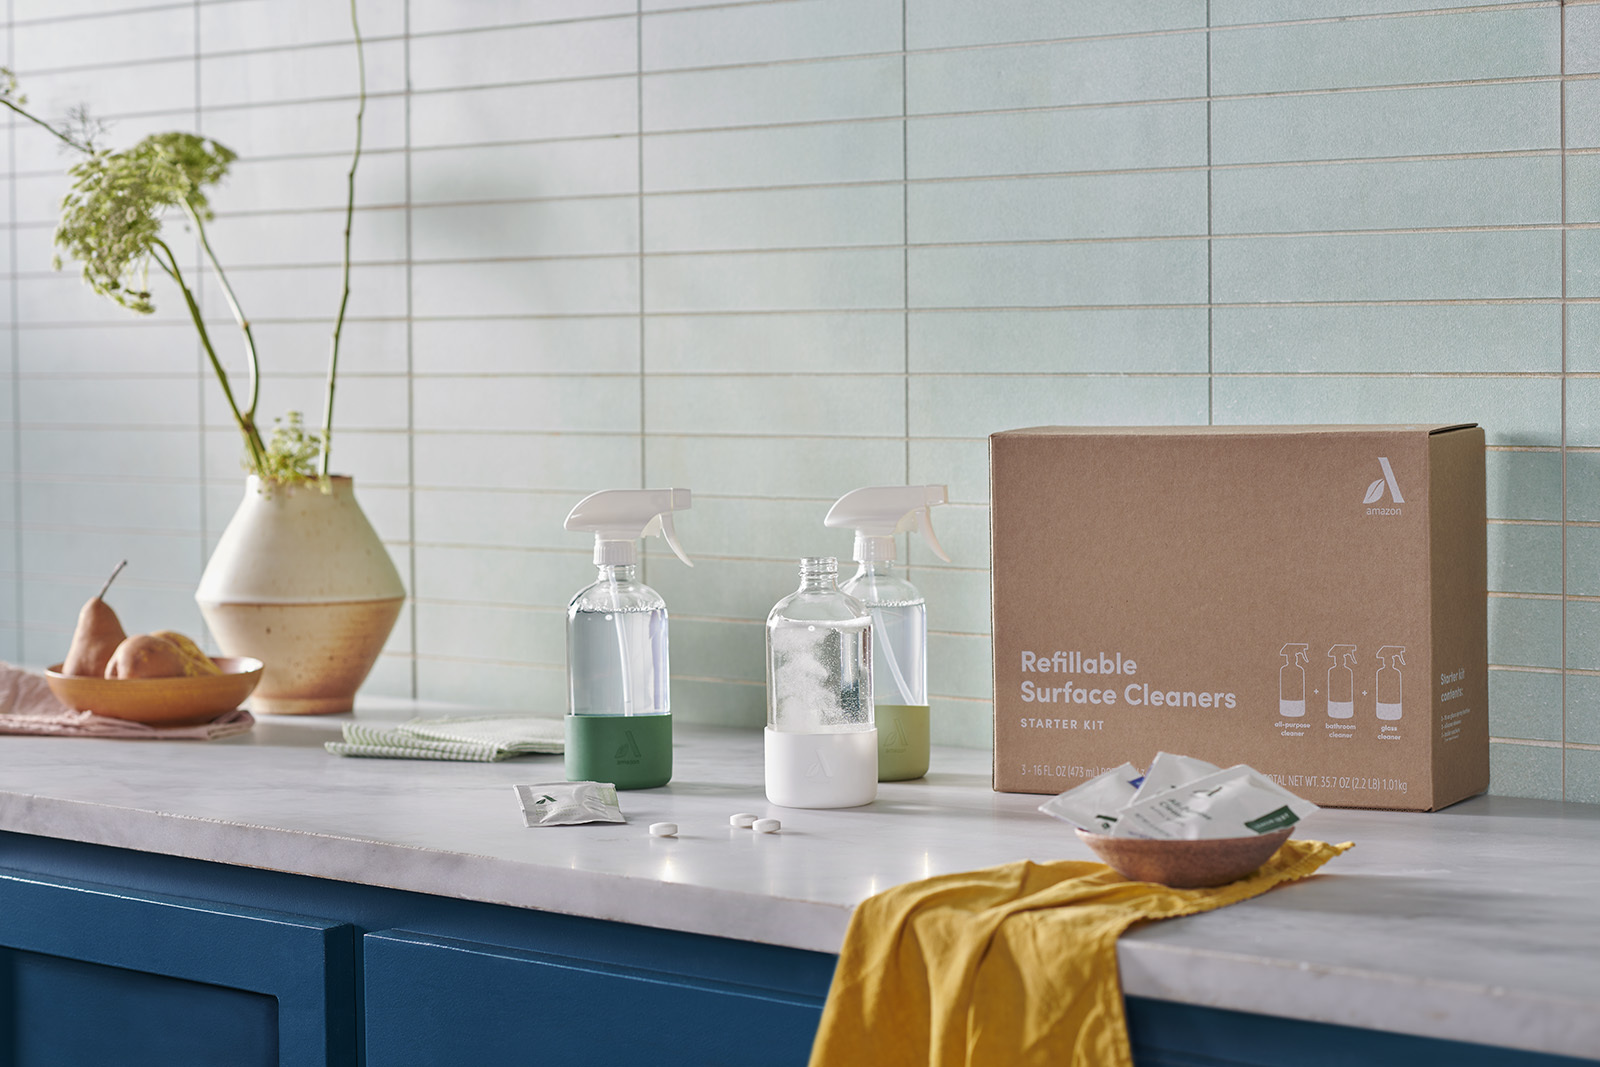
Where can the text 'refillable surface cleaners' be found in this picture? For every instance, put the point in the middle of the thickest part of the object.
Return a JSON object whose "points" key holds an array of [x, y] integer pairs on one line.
{"points": [[899, 616], [619, 721], [821, 744]]}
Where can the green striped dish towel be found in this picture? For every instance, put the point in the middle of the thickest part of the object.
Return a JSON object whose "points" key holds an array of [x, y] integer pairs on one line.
{"points": [[483, 738]]}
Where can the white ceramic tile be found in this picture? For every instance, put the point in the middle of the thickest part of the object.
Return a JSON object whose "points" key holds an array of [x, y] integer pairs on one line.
{"points": [[318, 182], [113, 38], [815, 343], [366, 347], [736, 590], [301, 73], [493, 633], [1161, 67], [596, 345], [589, 108], [371, 457], [963, 530], [248, 25], [1066, 275], [771, 466], [1160, 204], [959, 665], [138, 402], [322, 126], [579, 463], [286, 239], [161, 98], [800, 155], [99, 452], [537, 228], [747, 96], [509, 577], [959, 599], [544, 403], [975, 405], [781, 218], [159, 557], [725, 527], [137, 345], [499, 518], [542, 52], [775, 281], [313, 292], [540, 689], [112, 504], [1127, 340], [953, 23], [963, 465], [525, 171], [862, 405], [544, 287], [766, 33], [433, 16]]}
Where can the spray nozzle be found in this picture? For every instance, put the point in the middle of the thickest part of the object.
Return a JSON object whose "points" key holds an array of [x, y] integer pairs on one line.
{"points": [[619, 517], [1397, 652], [877, 512], [1347, 651], [1293, 653]]}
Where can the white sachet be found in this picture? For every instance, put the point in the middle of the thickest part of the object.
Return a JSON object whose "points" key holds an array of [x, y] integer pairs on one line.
{"points": [[1237, 802], [567, 803], [1168, 771], [1092, 806]]}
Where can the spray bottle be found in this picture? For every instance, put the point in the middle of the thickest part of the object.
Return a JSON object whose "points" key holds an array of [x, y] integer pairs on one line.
{"points": [[899, 616], [619, 722], [1342, 682], [1392, 658], [1292, 680]]}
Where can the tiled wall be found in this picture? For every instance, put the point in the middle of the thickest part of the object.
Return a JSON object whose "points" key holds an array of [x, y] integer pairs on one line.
{"points": [[774, 250]]}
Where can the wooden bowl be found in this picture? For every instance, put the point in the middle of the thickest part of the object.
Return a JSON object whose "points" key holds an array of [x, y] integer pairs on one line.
{"points": [[1186, 864], [160, 701]]}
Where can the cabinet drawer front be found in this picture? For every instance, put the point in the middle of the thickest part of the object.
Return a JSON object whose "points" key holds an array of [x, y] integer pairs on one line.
{"points": [[432, 1000]]}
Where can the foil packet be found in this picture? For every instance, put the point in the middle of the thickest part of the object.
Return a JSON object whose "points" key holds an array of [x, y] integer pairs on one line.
{"points": [[569, 803]]}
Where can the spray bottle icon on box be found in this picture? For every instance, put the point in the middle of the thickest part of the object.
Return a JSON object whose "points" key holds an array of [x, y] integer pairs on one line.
{"points": [[1392, 658], [1342, 682], [1292, 679]]}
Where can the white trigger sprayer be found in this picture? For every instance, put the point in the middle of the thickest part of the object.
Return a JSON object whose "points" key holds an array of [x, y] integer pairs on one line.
{"points": [[899, 614], [619, 723]]}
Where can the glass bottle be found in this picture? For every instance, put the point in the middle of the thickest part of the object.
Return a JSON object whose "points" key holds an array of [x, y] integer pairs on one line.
{"points": [[899, 668]]}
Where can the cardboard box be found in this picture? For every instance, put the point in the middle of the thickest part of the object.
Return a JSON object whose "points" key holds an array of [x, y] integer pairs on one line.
{"points": [[1308, 600]]}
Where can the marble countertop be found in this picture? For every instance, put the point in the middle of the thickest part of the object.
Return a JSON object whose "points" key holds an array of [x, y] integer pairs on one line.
{"points": [[1478, 923]]}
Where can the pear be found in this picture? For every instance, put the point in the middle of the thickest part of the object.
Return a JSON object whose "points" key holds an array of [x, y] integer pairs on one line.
{"points": [[98, 634], [146, 656], [195, 662]]}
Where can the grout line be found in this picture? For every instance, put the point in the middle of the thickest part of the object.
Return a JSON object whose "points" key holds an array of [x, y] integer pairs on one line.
{"points": [[411, 380], [1211, 246], [905, 236], [1562, 119], [638, 114], [16, 364], [201, 367]]}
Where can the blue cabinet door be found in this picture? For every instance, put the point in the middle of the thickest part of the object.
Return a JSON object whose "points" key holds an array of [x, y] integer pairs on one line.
{"points": [[433, 1000], [97, 974]]}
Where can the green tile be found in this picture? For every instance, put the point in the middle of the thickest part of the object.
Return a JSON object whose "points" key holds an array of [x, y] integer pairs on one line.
{"points": [[549, 287], [1524, 633], [1233, 12], [520, 230], [102, 453], [796, 343], [1524, 485], [541, 690], [772, 466], [784, 155], [1078, 139], [494, 633], [1391, 122], [1583, 420], [1326, 54], [1583, 188], [1583, 114], [963, 465], [587, 108], [1157, 67], [1583, 263], [1525, 558], [741, 527], [1414, 194], [1583, 486], [498, 519], [601, 344], [1525, 705], [1525, 771], [730, 590], [833, 280], [1583, 338], [1582, 776], [1030, 341], [1099, 273], [712, 703], [1583, 709], [1395, 266], [1583, 561], [775, 218], [1160, 204], [1583, 635], [706, 649], [1512, 411], [979, 405], [958, 600], [566, 403], [1583, 39], [963, 530], [954, 23], [558, 50], [579, 464], [1388, 338], [840, 89], [500, 576], [390, 677], [768, 33], [959, 665], [961, 724], [785, 404]]}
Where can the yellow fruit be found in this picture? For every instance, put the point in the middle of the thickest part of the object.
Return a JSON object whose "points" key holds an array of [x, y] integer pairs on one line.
{"points": [[195, 662]]}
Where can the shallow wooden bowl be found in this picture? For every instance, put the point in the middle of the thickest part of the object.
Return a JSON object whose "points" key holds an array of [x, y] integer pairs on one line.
{"points": [[1186, 864], [160, 701]]}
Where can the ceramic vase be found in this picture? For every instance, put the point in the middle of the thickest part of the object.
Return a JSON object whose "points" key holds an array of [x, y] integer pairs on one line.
{"points": [[301, 582]]}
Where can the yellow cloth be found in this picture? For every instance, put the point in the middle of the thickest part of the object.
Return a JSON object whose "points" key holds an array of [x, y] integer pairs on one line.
{"points": [[1013, 965]]}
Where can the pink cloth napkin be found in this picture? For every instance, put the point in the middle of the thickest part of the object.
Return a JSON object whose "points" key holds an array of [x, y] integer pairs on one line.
{"points": [[28, 707]]}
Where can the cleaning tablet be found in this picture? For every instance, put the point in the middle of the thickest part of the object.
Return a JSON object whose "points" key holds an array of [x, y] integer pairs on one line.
{"points": [[766, 826], [744, 820], [663, 829]]}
